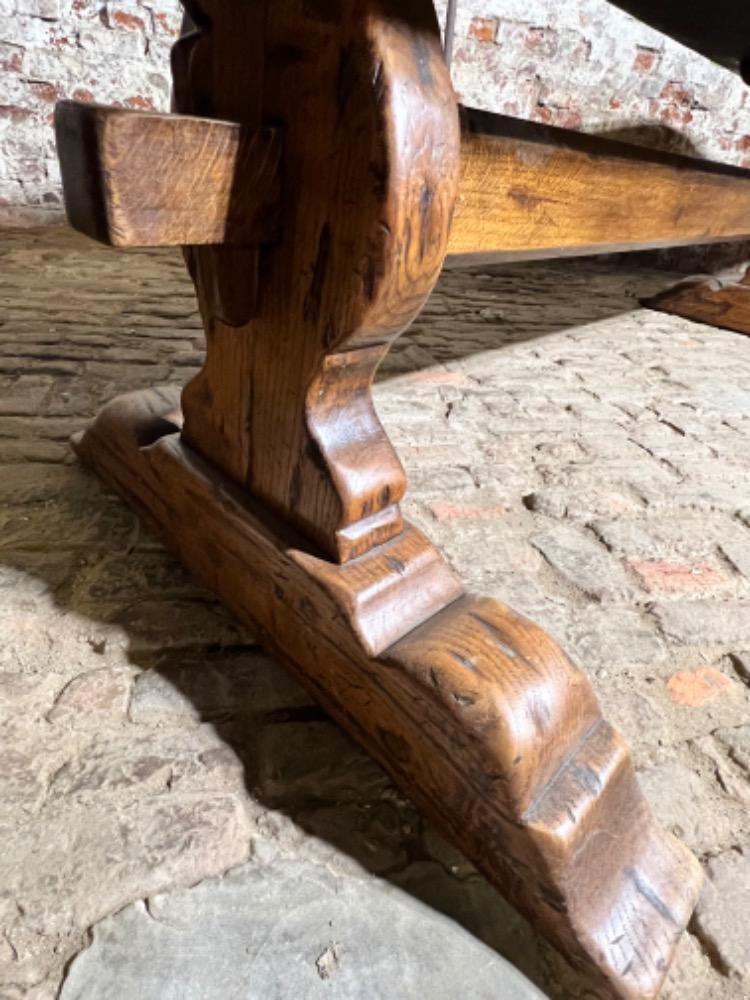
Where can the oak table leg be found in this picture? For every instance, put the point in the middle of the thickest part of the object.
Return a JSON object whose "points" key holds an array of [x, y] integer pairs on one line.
{"points": [[273, 480]]}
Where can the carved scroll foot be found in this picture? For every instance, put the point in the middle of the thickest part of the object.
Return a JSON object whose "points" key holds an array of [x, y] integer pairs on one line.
{"points": [[722, 300], [475, 712]]}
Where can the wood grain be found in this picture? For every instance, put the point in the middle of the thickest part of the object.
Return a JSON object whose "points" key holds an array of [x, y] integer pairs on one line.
{"points": [[526, 190], [371, 156], [530, 190], [217, 68], [133, 179], [278, 487], [722, 300], [474, 711]]}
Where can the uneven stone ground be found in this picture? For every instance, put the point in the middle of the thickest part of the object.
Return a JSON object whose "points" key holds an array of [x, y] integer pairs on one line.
{"points": [[584, 460]]}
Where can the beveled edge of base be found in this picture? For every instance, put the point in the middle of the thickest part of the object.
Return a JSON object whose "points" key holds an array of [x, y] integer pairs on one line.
{"points": [[542, 844]]}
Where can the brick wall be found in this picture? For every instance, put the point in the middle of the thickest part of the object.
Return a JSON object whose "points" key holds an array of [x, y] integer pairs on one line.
{"points": [[583, 64], [580, 64], [115, 53]]}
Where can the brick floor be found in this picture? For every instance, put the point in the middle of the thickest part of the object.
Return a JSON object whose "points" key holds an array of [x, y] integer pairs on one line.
{"points": [[584, 460]]}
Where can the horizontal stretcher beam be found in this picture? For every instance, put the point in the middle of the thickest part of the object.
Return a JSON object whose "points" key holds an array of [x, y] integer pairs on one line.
{"points": [[526, 190], [532, 191]]}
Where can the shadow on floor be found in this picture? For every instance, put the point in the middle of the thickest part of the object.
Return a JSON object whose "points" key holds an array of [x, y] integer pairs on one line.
{"points": [[295, 760]]}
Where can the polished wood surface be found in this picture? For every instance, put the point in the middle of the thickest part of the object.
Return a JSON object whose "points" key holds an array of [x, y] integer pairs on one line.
{"points": [[526, 190], [371, 158], [532, 191], [274, 482], [132, 178], [475, 713], [722, 300]]}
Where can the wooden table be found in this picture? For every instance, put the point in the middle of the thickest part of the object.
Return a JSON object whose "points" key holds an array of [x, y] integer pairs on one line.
{"points": [[318, 174]]}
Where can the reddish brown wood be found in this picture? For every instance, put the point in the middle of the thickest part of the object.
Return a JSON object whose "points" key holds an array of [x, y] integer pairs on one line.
{"points": [[722, 300], [132, 178], [526, 190], [281, 490], [531, 191], [370, 169], [474, 711]]}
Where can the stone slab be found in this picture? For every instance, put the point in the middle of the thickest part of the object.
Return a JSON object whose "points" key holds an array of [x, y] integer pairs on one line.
{"points": [[294, 931]]}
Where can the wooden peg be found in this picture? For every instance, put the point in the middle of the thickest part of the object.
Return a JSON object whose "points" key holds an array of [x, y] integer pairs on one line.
{"points": [[277, 486], [220, 183]]}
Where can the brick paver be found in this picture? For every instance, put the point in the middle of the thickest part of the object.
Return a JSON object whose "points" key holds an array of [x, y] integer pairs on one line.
{"points": [[584, 460]]}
